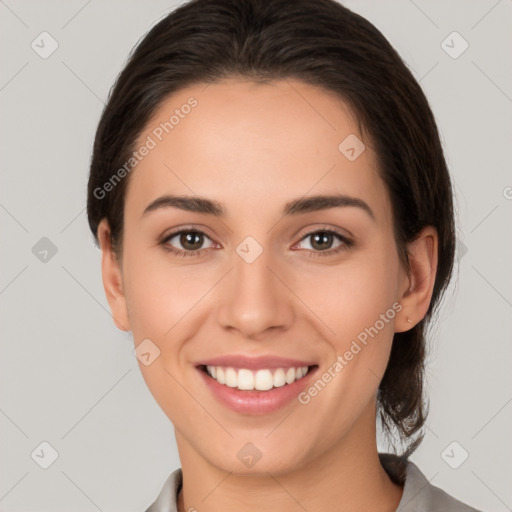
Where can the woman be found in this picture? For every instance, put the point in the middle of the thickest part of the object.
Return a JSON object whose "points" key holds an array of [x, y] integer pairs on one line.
{"points": [[274, 211]]}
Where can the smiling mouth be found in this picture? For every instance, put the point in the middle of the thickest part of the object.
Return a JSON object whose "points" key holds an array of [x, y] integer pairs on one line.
{"points": [[263, 379]]}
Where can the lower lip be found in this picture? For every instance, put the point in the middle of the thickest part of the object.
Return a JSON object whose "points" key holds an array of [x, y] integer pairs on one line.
{"points": [[256, 402]]}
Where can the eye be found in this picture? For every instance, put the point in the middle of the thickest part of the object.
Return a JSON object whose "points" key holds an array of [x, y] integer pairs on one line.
{"points": [[190, 240], [322, 242]]}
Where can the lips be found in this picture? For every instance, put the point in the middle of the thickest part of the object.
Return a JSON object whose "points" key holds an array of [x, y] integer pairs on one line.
{"points": [[257, 402], [271, 396]]}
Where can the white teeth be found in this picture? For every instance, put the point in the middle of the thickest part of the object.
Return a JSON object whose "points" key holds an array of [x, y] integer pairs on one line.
{"points": [[245, 379], [290, 375], [279, 378], [264, 380], [231, 378], [261, 380]]}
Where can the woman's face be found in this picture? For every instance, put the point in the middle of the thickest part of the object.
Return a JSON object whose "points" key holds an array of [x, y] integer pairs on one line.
{"points": [[268, 277]]}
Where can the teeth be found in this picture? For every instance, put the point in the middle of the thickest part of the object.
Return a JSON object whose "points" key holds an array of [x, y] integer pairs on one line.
{"points": [[261, 380], [231, 378]]}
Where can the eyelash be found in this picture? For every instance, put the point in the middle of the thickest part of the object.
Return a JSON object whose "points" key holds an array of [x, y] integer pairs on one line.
{"points": [[344, 246]]}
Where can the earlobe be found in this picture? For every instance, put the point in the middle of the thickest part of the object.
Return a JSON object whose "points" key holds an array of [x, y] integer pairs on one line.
{"points": [[112, 278], [419, 283]]}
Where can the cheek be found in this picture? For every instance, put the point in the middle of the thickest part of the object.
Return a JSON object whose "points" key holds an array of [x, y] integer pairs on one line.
{"points": [[359, 304], [158, 293], [160, 300], [352, 296]]}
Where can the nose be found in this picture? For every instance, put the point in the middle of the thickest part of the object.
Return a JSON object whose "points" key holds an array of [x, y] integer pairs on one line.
{"points": [[255, 298]]}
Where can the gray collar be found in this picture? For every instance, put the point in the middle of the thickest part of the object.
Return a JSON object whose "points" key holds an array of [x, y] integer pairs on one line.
{"points": [[419, 494]]}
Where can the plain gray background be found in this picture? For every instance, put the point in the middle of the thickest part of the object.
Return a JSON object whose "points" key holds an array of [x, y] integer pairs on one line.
{"points": [[68, 377]]}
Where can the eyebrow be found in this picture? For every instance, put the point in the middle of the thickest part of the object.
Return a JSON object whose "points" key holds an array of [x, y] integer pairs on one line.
{"points": [[295, 207]]}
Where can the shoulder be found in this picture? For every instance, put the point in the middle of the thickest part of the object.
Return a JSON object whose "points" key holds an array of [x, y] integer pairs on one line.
{"points": [[419, 495], [166, 500], [422, 495]]}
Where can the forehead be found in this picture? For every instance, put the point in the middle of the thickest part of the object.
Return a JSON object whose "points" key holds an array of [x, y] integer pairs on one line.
{"points": [[247, 144]]}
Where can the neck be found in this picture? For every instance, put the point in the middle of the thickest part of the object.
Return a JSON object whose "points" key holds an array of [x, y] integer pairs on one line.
{"points": [[348, 477]]}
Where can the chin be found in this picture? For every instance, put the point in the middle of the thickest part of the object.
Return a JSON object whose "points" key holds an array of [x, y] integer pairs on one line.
{"points": [[276, 462]]}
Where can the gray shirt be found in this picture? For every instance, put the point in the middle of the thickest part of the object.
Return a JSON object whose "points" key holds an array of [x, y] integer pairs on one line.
{"points": [[418, 495]]}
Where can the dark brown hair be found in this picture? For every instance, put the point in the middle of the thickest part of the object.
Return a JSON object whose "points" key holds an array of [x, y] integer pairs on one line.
{"points": [[321, 43]]}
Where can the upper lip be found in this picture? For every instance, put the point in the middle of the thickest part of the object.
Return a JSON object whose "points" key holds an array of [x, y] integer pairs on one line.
{"points": [[254, 363]]}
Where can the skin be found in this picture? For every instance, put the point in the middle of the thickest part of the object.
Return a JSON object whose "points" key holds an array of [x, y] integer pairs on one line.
{"points": [[254, 147]]}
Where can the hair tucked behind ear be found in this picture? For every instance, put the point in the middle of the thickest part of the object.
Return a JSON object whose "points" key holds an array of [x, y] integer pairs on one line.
{"points": [[325, 44]]}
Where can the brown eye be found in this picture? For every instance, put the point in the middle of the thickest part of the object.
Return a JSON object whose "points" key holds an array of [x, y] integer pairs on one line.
{"points": [[191, 240], [186, 242], [322, 242]]}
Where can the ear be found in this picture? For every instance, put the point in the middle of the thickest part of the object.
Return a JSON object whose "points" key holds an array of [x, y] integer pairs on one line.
{"points": [[112, 278], [418, 284]]}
